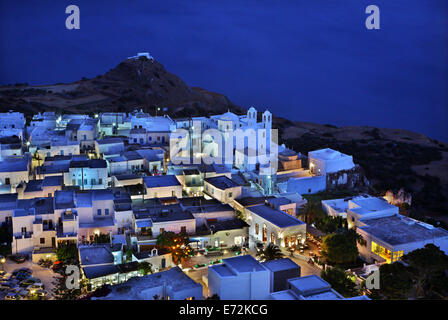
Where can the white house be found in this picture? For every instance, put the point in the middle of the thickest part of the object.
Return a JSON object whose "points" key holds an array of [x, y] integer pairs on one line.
{"points": [[327, 160], [109, 146], [14, 170], [222, 188], [12, 124], [239, 278], [310, 287], [87, 174], [162, 186], [388, 238], [269, 225]]}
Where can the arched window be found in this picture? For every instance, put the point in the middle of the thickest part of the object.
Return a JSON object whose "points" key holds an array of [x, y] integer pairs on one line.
{"points": [[265, 233], [272, 237], [257, 227]]}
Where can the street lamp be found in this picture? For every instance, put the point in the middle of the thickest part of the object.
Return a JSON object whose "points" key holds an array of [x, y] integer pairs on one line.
{"points": [[2, 261]]}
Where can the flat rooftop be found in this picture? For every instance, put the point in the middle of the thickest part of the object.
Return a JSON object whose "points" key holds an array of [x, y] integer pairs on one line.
{"points": [[309, 284], [8, 201], [14, 165], [197, 201], [161, 181], [96, 254], [327, 154], [284, 295], [397, 229], [174, 279], [277, 217], [64, 199], [369, 204], [110, 141], [325, 295], [280, 201], [93, 272], [222, 182], [250, 201], [92, 163], [245, 263], [281, 264], [227, 225], [339, 205]]}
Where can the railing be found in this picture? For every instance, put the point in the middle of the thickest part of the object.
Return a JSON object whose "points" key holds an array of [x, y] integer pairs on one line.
{"points": [[144, 236], [24, 235]]}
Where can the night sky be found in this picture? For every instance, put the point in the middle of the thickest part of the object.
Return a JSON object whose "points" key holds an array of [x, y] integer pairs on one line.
{"points": [[307, 60]]}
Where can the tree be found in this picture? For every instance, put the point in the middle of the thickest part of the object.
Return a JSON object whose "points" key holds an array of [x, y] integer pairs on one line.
{"points": [[395, 282], [428, 266], [61, 292], [329, 224], [340, 281], [102, 238], [312, 211], [420, 275], [176, 244], [271, 252], [340, 247], [5, 240], [129, 254], [67, 251], [145, 268]]}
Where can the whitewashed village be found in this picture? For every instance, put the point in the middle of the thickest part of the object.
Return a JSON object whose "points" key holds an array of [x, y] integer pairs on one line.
{"points": [[106, 195]]}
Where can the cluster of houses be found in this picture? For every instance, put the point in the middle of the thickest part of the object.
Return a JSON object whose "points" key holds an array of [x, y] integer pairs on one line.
{"points": [[75, 178]]}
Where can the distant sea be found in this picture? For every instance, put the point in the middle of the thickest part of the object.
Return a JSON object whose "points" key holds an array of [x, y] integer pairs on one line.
{"points": [[307, 60]]}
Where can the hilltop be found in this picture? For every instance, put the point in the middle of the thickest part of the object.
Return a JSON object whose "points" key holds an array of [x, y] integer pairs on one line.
{"points": [[138, 82], [391, 158]]}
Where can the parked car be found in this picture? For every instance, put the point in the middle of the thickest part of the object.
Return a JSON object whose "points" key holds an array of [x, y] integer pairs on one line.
{"points": [[12, 296], [9, 285], [28, 270], [35, 287], [17, 258], [16, 272], [22, 276], [23, 293], [41, 293], [30, 281]]}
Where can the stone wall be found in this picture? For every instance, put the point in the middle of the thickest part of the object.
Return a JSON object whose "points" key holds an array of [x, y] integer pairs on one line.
{"points": [[352, 179]]}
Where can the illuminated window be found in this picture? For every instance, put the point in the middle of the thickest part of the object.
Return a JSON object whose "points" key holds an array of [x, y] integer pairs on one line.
{"points": [[396, 256], [272, 237], [381, 251]]}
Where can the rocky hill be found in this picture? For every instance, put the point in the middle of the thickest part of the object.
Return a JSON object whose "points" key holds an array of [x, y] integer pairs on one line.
{"points": [[142, 83], [391, 158]]}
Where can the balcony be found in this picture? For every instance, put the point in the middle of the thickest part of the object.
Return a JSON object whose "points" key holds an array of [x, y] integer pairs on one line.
{"points": [[24, 235], [144, 236]]}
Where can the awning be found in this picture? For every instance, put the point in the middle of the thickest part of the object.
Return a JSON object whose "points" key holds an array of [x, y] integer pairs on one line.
{"points": [[144, 224]]}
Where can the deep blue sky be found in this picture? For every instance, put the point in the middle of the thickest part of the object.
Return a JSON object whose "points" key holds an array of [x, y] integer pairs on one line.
{"points": [[308, 60]]}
